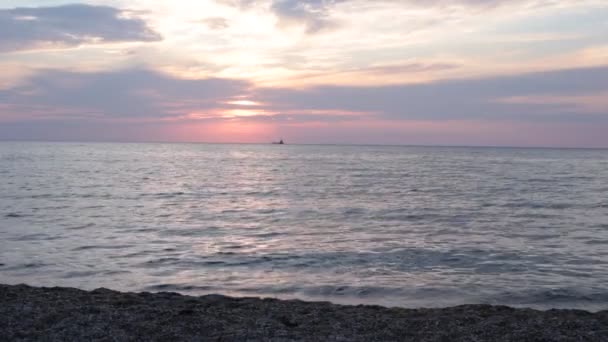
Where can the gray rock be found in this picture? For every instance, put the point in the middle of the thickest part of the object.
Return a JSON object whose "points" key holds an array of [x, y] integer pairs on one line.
{"points": [[65, 314]]}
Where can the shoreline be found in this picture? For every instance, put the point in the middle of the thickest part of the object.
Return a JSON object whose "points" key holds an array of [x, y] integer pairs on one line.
{"points": [[68, 314]]}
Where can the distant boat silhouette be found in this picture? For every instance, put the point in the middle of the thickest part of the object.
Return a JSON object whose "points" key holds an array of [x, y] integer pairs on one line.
{"points": [[279, 143]]}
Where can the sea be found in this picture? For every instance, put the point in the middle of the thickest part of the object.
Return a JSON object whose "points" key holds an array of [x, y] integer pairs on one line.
{"points": [[383, 225]]}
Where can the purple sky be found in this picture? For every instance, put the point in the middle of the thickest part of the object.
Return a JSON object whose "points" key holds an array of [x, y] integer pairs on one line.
{"points": [[452, 72]]}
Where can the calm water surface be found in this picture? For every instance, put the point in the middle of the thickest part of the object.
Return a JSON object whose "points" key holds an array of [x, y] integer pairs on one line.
{"points": [[397, 226]]}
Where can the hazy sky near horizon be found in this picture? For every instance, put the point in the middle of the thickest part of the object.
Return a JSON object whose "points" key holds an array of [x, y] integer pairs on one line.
{"points": [[445, 72]]}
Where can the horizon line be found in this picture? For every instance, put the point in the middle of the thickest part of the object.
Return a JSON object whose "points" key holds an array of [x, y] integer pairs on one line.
{"points": [[299, 144]]}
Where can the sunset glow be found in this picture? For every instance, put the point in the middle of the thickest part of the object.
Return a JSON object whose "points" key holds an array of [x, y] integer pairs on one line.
{"points": [[69, 67], [244, 103]]}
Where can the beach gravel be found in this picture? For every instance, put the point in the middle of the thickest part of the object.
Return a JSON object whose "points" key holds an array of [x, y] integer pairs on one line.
{"points": [[67, 314]]}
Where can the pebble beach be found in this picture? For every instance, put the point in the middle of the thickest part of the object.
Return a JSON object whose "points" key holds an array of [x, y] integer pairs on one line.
{"points": [[66, 314]]}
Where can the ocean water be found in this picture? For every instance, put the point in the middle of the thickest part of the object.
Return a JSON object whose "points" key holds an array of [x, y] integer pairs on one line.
{"points": [[395, 226]]}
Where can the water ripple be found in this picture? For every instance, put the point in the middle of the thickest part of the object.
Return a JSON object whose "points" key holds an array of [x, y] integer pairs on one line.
{"points": [[361, 224]]}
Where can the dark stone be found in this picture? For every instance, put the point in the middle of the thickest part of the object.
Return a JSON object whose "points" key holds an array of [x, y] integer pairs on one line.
{"points": [[186, 312], [288, 322]]}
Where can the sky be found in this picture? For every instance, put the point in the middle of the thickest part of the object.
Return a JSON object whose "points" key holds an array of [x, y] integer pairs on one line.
{"points": [[413, 72]]}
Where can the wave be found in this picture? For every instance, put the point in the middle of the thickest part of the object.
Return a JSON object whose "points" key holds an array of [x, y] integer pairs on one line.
{"points": [[423, 296], [558, 297], [475, 261], [14, 215], [178, 288], [90, 247]]}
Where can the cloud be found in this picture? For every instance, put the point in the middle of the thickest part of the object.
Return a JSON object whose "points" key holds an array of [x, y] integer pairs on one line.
{"points": [[316, 15], [409, 67], [141, 94], [216, 23], [124, 94], [485, 98], [312, 13], [54, 104], [26, 28]]}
